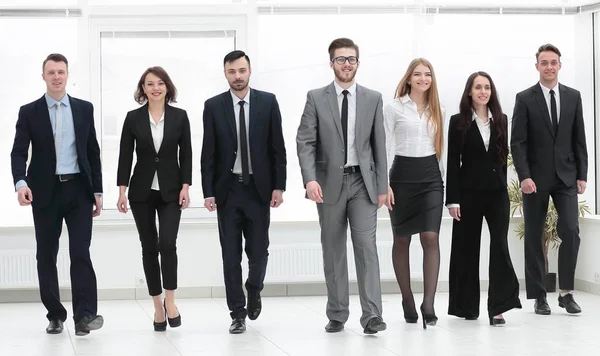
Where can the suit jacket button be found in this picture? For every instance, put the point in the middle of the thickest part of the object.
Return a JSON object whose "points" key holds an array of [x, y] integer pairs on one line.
{"points": [[494, 169], [156, 160]]}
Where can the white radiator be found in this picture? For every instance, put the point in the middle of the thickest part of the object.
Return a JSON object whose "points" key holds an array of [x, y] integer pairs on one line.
{"points": [[18, 269]]}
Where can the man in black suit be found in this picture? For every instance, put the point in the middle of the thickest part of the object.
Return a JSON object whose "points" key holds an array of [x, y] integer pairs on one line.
{"points": [[243, 176], [63, 181], [550, 156]]}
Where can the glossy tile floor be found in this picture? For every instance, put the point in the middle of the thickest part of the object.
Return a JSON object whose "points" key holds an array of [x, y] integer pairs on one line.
{"points": [[294, 326]]}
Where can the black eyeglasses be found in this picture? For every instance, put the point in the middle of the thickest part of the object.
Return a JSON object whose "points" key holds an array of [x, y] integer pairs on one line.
{"points": [[342, 60]]}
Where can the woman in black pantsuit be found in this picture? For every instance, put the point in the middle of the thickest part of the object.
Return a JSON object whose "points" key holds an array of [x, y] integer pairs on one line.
{"points": [[476, 188], [161, 179]]}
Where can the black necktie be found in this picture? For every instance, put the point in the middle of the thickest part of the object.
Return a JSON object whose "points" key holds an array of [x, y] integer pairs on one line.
{"points": [[244, 145], [345, 123], [554, 113]]}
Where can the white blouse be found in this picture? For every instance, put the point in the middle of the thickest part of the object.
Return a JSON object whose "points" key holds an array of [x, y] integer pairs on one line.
{"points": [[407, 134], [157, 137], [484, 128]]}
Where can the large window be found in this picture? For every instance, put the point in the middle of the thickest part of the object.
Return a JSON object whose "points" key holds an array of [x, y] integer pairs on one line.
{"points": [[193, 60], [24, 51]]}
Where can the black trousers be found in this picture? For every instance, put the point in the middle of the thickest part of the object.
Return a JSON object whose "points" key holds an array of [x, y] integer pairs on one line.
{"points": [[535, 208], [155, 242], [503, 292], [70, 202], [244, 212]]}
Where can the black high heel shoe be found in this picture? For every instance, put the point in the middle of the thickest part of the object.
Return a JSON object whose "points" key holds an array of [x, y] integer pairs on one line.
{"points": [[497, 322], [173, 322], [410, 316], [428, 319], [162, 326]]}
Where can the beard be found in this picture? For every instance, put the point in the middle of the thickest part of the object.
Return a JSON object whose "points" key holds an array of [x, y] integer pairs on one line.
{"points": [[344, 77], [238, 85]]}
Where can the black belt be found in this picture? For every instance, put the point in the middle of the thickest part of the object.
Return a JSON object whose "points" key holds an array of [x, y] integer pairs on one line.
{"points": [[67, 177], [351, 169], [239, 178]]}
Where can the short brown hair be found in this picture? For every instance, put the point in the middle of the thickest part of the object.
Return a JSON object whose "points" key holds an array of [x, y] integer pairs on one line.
{"points": [[171, 95], [55, 57], [341, 43], [547, 48]]}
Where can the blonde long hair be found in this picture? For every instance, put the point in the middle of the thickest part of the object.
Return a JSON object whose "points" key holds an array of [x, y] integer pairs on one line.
{"points": [[432, 100]]}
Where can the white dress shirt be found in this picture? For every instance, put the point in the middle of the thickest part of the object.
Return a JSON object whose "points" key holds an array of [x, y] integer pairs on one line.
{"points": [[351, 139], [406, 133], [158, 131], [237, 165], [484, 128], [546, 92]]}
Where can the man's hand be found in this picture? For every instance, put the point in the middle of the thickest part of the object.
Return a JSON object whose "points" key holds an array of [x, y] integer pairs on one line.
{"points": [[381, 199], [528, 186], [97, 204], [24, 196], [210, 204], [389, 202], [455, 213], [314, 192], [581, 184], [276, 198]]}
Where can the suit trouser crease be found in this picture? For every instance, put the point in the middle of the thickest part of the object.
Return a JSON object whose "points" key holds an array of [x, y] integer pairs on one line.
{"points": [[161, 242], [503, 290], [243, 214], [72, 202], [535, 207], [355, 208]]}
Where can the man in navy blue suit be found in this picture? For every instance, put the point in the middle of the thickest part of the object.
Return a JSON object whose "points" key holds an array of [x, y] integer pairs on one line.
{"points": [[63, 182], [243, 177]]}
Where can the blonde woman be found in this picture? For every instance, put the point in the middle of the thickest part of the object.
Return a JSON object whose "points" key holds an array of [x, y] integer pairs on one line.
{"points": [[414, 135]]}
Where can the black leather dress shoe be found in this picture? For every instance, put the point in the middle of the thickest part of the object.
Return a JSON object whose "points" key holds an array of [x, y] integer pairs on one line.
{"points": [[541, 306], [55, 327], [334, 326], [238, 326], [254, 306], [569, 304], [374, 325], [87, 324]]}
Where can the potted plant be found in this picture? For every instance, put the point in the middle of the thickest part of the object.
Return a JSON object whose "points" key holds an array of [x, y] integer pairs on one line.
{"points": [[550, 239]]}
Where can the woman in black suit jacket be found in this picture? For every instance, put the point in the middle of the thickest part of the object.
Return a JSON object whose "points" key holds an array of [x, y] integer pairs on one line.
{"points": [[160, 183], [476, 188]]}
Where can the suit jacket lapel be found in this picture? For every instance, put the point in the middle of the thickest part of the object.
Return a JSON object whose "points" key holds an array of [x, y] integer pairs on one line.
{"points": [[254, 105], [334, 107], [492, 146], [144, 125], [541, 101], [44, 116], [77, 121], [361, 111], [563, 103], [167, 125], [229, 114]]}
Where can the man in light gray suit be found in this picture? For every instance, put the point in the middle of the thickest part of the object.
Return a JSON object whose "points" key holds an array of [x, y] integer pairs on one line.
{"points": [[341, 149]]}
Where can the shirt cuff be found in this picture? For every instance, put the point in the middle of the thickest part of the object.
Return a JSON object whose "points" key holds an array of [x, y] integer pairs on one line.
{"points": [[20, 184], [453, 206], [209, 198]]}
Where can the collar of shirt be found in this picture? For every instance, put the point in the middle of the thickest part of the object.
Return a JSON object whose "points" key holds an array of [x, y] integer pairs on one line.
{"points": [[477, 117], [339, 89], [236, 100], [162, 118], [51, 102], [546, 90], [406, 99]]}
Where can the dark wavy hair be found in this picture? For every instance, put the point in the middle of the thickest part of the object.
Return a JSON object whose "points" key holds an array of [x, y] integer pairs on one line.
{"points": [[170, 97], [499, 120]]}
